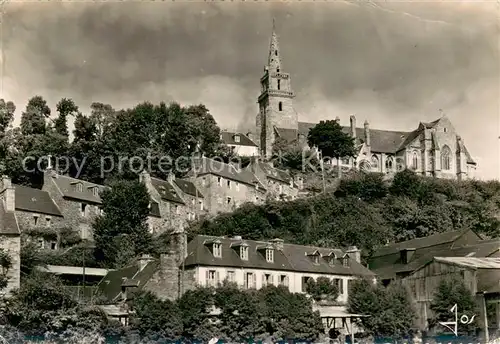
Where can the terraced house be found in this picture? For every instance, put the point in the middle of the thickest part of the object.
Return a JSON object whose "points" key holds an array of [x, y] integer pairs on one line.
{"points": [[208, 261]]}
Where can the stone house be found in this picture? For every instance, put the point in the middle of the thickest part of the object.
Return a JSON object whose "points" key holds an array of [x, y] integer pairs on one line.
{"points": [[432, 149], [479, 275], [280, 184], [39, 217], [174, 202], [79, 201], [10, 235], [225, 186], [241, 144], [207, 261]]}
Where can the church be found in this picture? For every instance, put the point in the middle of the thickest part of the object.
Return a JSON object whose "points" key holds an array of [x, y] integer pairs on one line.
{"points": [[432, 149]]}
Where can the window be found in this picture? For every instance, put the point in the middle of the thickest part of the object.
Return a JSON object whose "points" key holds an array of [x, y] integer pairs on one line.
{"points": [[211, 278], [228, 200], [53, 245], [340, 285], [374, 162], [244, 252], [284, 280], [193, 201], [217, 250], [95, 191], [219, 181], [83, 208], [79, 187], [35, 220], [270, 255], [201, 204], [267, 279], [444, 130], [389, 163], [345, 161], [231, 276], [279, 84], [177, 209], [305, 279], [277, 70], [414, 161], [249, 280], [446, 158], [229, 184], [236, 138], [47, 221], [280, 106], [281, 189], [345, 261], [41, 243], [349, 285], [203, 181], [276, 53]]}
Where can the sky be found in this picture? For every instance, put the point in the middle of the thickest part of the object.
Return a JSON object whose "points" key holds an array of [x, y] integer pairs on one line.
{"points": [[391, 63]]}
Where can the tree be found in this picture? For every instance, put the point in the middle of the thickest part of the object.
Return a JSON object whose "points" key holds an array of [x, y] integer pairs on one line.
{"points": [[65, 108], [331, 141], [452, 291], [367, 186], [195, 307], [33, 119], [6, 264], [124, 223], [322, 289], [389, 309]]}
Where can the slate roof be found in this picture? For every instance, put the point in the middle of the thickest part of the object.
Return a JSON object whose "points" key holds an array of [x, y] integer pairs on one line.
{"points": [[274, 173], [67, 186], [188, 188], [111, 284], [229, 139], [424, 255], [8, 222], [210, 166], [35, 201], [291, 258], [166, 190], [431, 240]]}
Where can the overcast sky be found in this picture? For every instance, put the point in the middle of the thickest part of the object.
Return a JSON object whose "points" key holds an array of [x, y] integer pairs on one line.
{"points": [[394, 64]]}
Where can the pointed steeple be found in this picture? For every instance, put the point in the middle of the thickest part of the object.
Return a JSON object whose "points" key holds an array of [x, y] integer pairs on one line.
{"points": [[274, 62]]}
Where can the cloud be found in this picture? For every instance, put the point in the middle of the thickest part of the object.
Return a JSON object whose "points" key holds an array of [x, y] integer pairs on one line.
{"points": [[394, 64]]}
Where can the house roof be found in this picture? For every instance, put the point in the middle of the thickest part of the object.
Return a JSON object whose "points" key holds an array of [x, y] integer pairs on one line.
{"points": [[273, 172], [188, 187], [166, 190], [229, 139], [67, 186], [471, 262], [210, 166], [484, 248], [8, 222], [36, 201], [291, 258], [431, 240]]}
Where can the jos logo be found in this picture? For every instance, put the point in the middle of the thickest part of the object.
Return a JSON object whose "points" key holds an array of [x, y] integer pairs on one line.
{"points": [[464, 319]]}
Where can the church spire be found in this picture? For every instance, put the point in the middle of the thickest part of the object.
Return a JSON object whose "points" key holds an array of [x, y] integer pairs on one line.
{"points": [[274, 62]]}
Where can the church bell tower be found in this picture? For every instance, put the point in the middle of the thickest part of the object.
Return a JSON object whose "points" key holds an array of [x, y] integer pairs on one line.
{"points": [[275, 100]]}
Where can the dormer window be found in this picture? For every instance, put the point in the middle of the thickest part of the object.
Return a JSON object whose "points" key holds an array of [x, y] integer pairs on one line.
{"points": [[236, 138], [314, 256], [95, 191], [217, 250], [244, 252], [345, 261], [270, 255], [79, 187]]}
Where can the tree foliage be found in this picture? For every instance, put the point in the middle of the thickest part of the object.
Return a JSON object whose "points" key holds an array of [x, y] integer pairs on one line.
{"points": [[390, 312], [122, 232], [322, 289]]}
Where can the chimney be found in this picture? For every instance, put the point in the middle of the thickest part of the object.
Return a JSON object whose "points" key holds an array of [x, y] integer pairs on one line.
{"points": [[145, 177], [367, 133], [406, 255], [355, 253], [277, 243], [353, 126], [8, 194], [143, 261], [337, 119]]}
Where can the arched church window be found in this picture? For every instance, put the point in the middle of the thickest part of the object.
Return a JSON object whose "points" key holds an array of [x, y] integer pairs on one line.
{"points": [[414, 161], [276, 53], [446, 158], [279, 84], [374, 162], [280, 106], [389, 164]]}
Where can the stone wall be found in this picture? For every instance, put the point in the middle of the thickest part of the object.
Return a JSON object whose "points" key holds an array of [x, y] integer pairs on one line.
{"points": [[11, 244], [165, 281]]}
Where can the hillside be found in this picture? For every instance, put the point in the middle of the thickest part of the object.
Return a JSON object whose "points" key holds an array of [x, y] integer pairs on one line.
{"points": [[367, 211]]}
